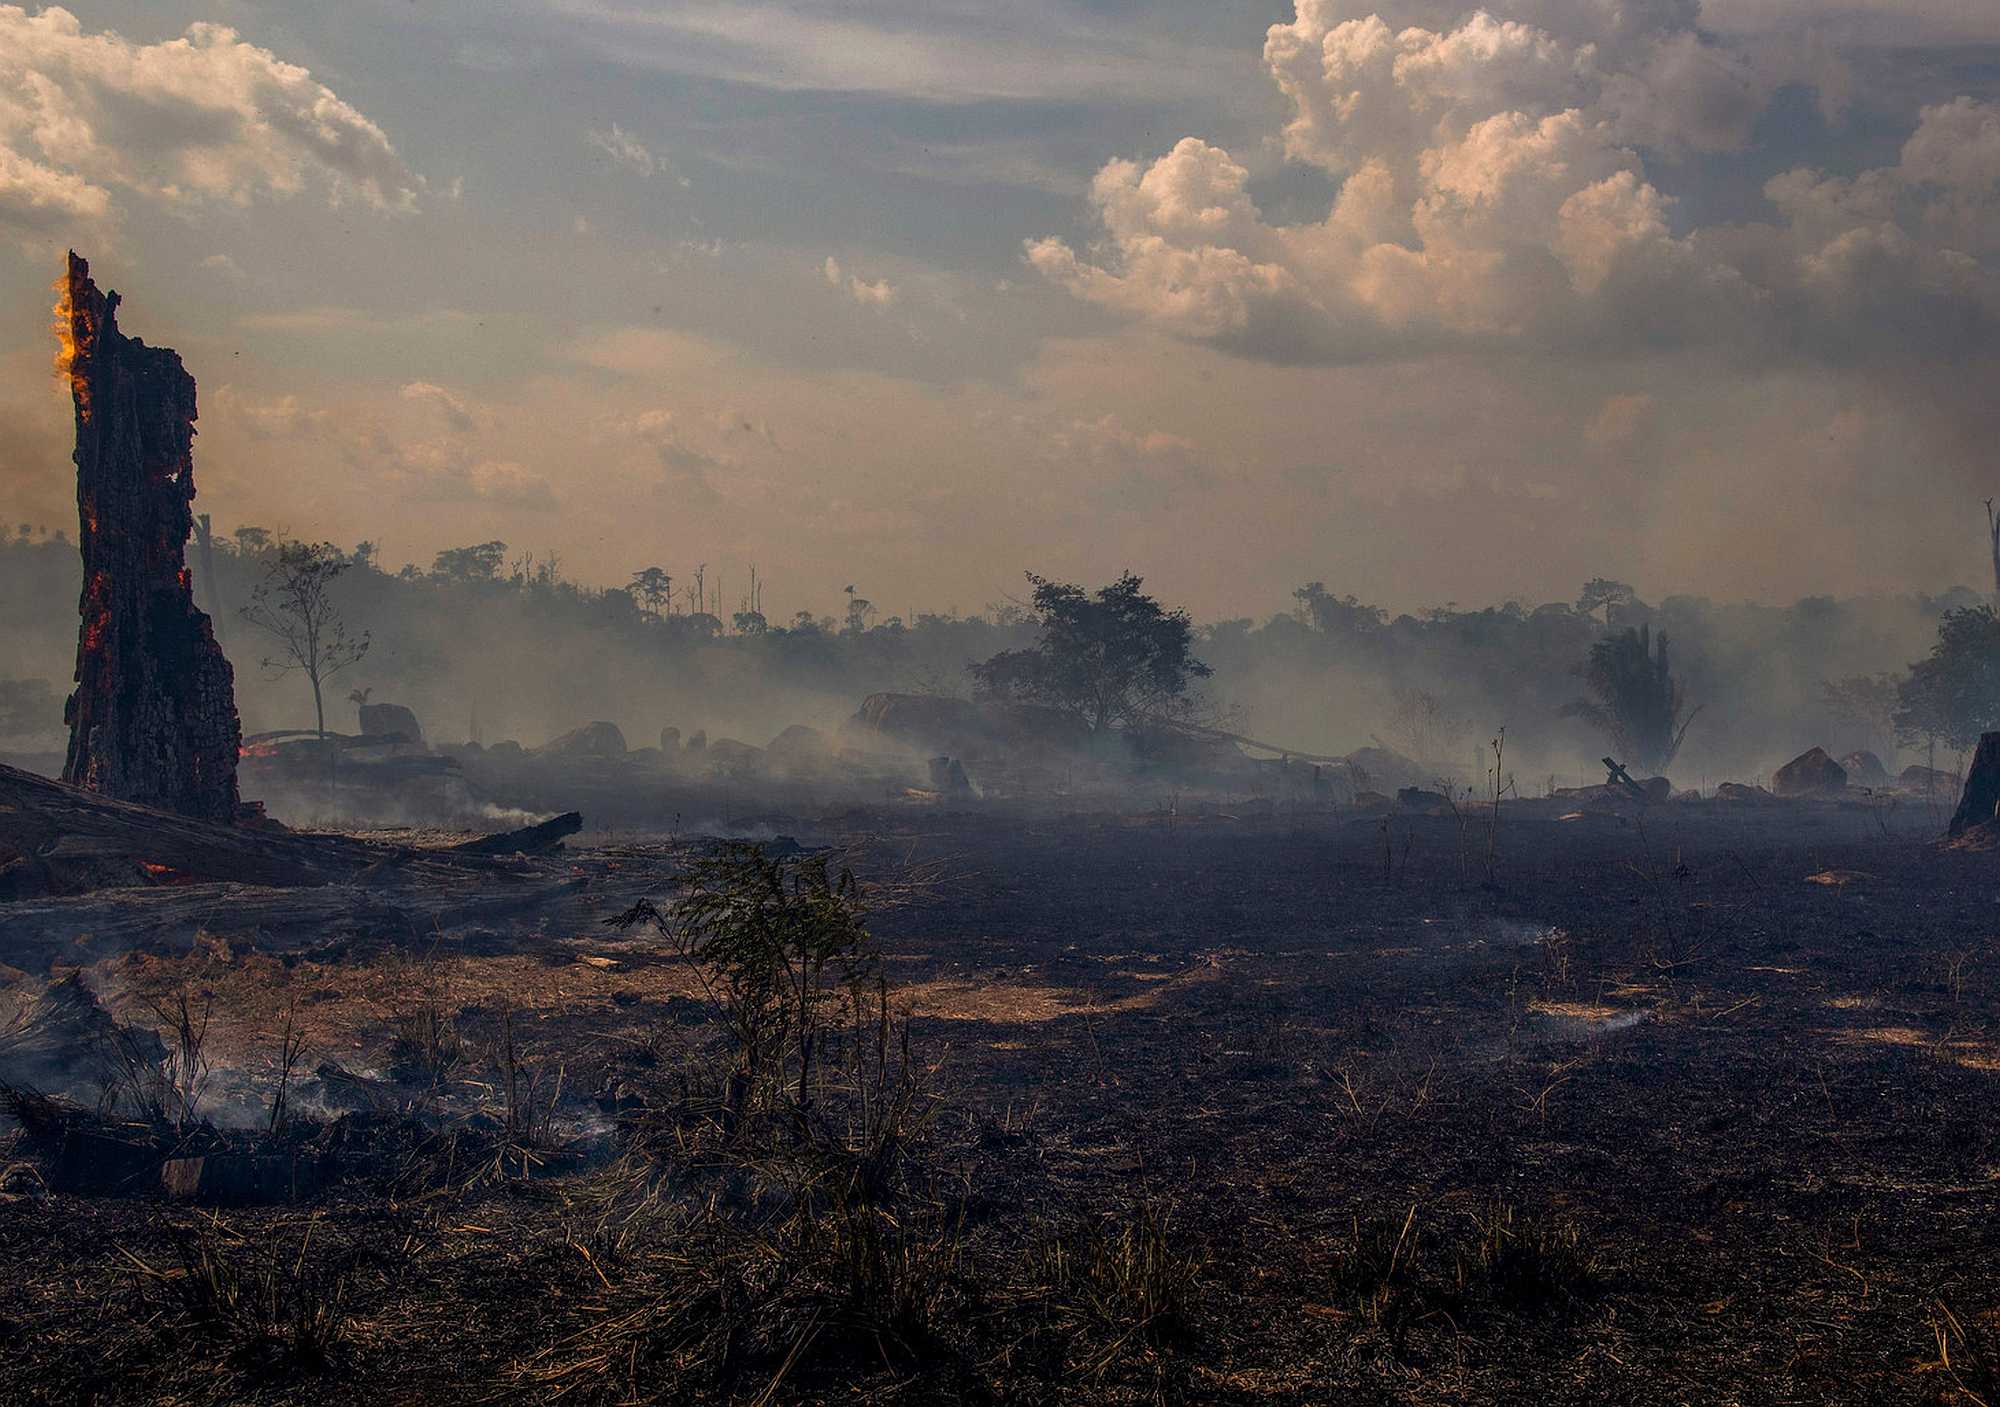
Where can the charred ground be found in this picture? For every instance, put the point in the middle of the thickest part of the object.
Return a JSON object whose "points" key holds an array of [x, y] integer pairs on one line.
{"points": [[1222, 1108]]}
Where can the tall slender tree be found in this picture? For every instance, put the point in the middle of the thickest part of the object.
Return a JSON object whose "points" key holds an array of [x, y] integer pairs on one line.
{"points": [[294, 605]]}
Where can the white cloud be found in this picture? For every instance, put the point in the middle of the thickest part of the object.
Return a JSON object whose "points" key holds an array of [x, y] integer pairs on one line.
{"points": [[880, 294], [454, 410], [203, 117], [1494, 184], [624, 148]]}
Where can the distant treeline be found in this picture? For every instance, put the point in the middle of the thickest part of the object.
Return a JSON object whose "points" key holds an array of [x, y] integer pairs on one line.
{"points": [[496, 646]]}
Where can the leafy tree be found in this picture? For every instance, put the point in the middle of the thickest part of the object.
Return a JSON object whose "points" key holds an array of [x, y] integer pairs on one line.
{"points": [[1954, 695], [467, 565], [1337, 615], [859, 609], [252, 541], [294, 605], [750, 623], [652, 588], [1111, 659], [1636, 701], [1602, 593]]}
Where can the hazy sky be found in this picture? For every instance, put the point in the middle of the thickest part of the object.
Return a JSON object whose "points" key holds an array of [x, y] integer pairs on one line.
{"points": [[1428, 302]]}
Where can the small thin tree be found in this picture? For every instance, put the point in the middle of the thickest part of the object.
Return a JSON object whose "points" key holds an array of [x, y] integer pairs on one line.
{"points": [[294, 605]]}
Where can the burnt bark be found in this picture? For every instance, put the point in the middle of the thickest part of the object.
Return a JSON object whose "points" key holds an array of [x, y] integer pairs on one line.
{"points": [[153, 719], [1980, 803]]}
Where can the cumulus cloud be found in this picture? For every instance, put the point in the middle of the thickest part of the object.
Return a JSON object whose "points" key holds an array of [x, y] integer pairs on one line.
{"points": [[207, 116], [280, 418], [684, 468], [502, 483], [879, 294], [624, 148], [1495, 187], [454, 410]]}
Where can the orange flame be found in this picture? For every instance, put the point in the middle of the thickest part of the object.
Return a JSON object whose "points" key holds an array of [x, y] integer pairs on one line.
{"points": [[64, 327]]}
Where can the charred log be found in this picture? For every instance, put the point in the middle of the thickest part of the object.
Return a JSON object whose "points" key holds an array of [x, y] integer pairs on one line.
{"points": [[529, 840], [153, 719]]}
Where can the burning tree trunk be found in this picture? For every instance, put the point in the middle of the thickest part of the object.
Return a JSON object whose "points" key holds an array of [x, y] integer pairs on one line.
{"points": [[153, 718]]}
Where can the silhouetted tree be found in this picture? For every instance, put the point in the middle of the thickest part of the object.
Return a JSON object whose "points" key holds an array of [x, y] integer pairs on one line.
{"points": [[294, 605], [251, 541], [1111, 659], [652, 588], [1602, 593], [1336, 615], [1954, 695], [479, 562], [1635, 699]]}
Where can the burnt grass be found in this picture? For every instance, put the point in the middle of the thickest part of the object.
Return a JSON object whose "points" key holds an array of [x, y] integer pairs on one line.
{"points": [[1226, 1110]]}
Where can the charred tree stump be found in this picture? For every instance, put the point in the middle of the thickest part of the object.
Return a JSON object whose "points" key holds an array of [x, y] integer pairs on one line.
{"points": [[1980, 803], [153, 719]]}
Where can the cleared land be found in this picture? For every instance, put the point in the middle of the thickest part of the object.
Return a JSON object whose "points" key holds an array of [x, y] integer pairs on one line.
{"points": [[1221, 1109]]}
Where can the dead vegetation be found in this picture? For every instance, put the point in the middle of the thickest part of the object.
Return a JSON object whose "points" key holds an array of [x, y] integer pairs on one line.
{"points": [[1589, 1141]]}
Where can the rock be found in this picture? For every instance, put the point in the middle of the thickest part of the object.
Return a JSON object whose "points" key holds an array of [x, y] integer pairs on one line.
{"points": [[1980, 805], [387, 720], [507, 748], [1418, 799], [730, 758], [1927, 779], [1811, 773], [591, 740], [1737, 792], [1865, 769], [670, 741], [1372, 801], [1657, 789]]}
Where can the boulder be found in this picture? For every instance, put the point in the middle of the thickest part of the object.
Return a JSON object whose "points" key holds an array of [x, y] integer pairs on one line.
{"points": [[727, 757], [1811, 773], [387, 720], [1865, 769], [1657, 789], [1926, 779], [1419, 799], [1741, 794], [591, 740]]}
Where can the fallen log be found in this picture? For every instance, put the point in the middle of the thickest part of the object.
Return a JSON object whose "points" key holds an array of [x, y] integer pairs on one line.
{"points": [[529, 840], [57, 839]]}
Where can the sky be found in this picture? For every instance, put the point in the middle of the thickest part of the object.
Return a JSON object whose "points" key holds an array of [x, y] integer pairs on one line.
{"points": [[1429, 302]]}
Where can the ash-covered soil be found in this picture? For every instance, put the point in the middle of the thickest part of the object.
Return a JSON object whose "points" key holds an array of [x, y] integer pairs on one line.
{"points": [[1698, 1108]]}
